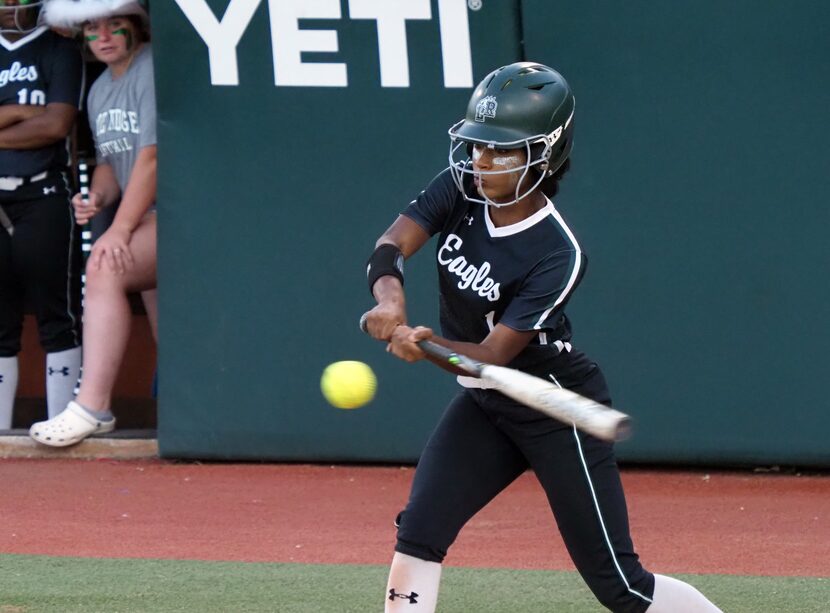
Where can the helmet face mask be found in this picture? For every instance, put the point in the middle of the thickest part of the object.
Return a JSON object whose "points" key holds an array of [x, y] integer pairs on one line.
{"points": [[461, 164], [525, 106], [26, 16]]}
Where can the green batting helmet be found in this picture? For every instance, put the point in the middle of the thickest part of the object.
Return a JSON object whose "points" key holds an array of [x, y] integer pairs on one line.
{"points": [[525, 105]]}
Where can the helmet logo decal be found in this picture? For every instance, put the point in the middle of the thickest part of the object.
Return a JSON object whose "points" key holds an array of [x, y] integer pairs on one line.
{"points": [[486, 107]]}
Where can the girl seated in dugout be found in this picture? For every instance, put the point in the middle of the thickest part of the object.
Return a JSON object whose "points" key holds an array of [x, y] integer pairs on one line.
{"points": [[122, 115]]}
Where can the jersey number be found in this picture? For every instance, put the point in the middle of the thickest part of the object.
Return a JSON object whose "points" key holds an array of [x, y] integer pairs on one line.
{"points": [[490, 317], [36, 96]]}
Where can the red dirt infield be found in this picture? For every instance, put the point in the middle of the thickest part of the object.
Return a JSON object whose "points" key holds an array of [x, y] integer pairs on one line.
{"points": [[695, 522]]}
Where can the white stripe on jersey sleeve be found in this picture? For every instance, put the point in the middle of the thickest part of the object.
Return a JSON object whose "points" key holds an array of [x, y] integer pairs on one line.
{"points": [[574, 273]]}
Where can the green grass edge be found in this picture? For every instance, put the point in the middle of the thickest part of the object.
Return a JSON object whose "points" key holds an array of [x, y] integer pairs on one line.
{"points": [[35, 584]]}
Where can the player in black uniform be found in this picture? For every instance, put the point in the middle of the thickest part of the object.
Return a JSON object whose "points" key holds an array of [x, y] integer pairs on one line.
{"points": [[507, 264], [41, 78]]}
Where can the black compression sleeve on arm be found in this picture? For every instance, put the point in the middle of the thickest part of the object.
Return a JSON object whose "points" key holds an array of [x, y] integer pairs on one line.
{"points": [[385, 260]]}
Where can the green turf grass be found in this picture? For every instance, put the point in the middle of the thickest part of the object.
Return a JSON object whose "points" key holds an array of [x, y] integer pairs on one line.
{"points": [[33, 584]]}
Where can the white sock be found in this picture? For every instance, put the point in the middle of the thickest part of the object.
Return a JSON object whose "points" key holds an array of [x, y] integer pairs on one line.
{"points": [[673, 596], [8, 389], [62, 371], [413, 585]]}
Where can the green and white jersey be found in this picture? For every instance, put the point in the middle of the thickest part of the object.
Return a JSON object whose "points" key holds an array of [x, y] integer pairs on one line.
{"points": [[39, 69], [521, 275]]}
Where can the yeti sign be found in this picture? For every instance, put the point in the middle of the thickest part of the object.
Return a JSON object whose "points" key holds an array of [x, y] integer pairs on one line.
{"points": [[289, 41]]}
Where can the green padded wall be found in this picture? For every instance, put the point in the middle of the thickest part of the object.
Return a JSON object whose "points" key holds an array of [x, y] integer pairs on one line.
{"points": [[700, 184], [697, 187], [271, 198]]}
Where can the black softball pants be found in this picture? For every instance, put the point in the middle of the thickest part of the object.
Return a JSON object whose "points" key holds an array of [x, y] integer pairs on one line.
{"points": [[483, 442], [40, 265]]}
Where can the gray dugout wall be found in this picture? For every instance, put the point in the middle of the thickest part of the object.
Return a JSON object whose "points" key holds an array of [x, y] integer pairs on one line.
{"points": [[292, 133]]}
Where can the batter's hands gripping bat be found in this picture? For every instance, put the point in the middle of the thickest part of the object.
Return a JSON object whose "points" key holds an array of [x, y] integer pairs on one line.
{"points": [[564, 405]]}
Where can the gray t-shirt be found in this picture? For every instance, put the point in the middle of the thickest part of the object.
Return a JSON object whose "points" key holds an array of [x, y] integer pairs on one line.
{"points": [[122, 115]]}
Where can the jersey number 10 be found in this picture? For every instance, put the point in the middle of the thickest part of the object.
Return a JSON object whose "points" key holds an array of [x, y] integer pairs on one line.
{"points": [[36, 96]]}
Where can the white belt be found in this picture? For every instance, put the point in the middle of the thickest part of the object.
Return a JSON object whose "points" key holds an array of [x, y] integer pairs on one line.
{"points": [[9, 184]]}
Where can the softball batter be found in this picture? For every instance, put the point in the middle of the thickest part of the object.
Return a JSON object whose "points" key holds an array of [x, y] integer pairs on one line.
{"points": [[41, 78], [507, 264]]}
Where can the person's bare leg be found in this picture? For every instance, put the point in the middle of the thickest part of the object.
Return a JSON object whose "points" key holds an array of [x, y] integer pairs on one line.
{"points": [[107, 317], [150, 299]]}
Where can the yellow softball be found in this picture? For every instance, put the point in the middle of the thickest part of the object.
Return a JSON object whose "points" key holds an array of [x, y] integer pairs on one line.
{"points": [[348, 384]]}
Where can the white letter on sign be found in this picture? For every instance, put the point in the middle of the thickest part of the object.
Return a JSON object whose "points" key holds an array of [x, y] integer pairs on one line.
{"points": [[288, 41], [391, 16], [455, 43], [222, 37]]}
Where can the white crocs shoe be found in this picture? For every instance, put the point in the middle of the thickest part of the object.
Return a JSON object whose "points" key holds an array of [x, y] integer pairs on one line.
{"points": [[70, 426]]}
